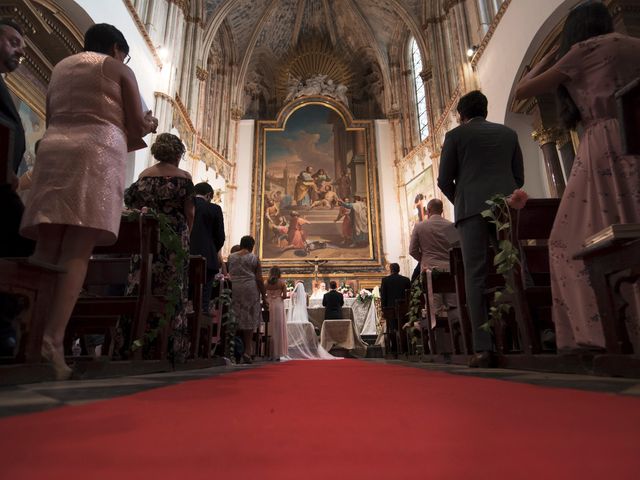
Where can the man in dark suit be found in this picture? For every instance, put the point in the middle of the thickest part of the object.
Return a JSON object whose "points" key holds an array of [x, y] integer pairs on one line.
{"points": [[11, 51], [393, 288], [207, 235], [479, 159], [332, 302]]}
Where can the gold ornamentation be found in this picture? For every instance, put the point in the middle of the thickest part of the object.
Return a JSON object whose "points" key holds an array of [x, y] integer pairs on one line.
{"points": [[490, 32], [546, 135], [314, 58], [143, 31]]}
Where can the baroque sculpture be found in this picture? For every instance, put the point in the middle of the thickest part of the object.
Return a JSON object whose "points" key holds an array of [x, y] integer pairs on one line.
{"points": [[316, 85]]}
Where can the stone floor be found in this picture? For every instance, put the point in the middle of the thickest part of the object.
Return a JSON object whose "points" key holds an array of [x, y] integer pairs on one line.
{"points": [[36, 397]]}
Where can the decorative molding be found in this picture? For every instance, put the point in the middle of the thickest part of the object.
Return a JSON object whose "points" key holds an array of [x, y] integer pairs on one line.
{"points": [[182, 5], [447, 109], [201, 74], [143, 31], [490, 32], [546, 135], [564, 137]]}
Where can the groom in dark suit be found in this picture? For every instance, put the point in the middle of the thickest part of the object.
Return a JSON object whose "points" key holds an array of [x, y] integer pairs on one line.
{"points": [[479, 159], [332, 302], [207, 235], [11, 51]]}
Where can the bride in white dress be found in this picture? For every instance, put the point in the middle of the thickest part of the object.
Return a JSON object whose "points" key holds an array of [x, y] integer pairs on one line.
{"points": [[303, 341]]}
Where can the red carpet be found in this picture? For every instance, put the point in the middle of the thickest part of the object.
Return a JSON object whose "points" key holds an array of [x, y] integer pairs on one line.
{"points": [[331, 420]]}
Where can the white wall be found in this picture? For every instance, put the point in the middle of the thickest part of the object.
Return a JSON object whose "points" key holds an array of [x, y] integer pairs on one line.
{"points": [[525, 24], [142, 62], [515, 40], [393, 231], [240, 205]]}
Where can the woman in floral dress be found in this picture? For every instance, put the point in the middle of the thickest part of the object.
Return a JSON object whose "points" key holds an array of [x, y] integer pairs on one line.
{"points": [[167, 190]]}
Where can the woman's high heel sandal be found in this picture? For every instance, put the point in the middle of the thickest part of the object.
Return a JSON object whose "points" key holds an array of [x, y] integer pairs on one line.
{"points": [[53, 356]]}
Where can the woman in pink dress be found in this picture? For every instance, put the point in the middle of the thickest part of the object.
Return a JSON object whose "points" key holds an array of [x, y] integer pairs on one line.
{"points": [[592, 63], [276, 293], [94, 117]]}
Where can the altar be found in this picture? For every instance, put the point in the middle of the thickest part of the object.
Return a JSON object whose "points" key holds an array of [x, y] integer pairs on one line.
{"points": [[359, 318]]}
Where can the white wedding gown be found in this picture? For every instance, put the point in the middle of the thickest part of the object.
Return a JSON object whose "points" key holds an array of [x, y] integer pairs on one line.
{"points": [[303, 341]]}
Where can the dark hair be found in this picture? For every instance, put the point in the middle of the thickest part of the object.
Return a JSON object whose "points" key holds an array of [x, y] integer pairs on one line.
{"points": [[203, 188], [101, 37], [274, 275], [6, 22], [235, 248], [473, 104], [419, 197], [247, 242], [587, 20], [435, 205], [333, 285], [394, 268], [167, 148]]}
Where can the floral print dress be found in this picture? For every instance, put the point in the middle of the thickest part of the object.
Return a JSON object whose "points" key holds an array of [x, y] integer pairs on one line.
{"points": [[168, 196]]}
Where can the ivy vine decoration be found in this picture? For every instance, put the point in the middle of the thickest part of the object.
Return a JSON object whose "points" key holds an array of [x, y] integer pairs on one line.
{"points": [[415, 312], [172, 244], [229, 321], [507, 254]]}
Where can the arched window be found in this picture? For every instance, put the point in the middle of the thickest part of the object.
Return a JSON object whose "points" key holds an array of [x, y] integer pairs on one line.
{"points": [[419, 90]]}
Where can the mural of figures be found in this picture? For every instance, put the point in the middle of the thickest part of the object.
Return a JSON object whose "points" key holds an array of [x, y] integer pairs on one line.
{"points": [[419, 191], [315, 195]]}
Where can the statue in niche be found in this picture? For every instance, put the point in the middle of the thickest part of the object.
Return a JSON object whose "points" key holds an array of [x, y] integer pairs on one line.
{"points": [[254, 92], [316, 85]]}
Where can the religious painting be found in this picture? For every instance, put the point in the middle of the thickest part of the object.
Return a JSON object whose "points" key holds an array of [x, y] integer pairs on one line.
{"points": [[34, 127], [418, 192], [315, 199]]}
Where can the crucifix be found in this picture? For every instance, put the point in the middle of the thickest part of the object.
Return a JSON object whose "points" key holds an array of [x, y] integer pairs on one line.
{"points": [[316, 267]]}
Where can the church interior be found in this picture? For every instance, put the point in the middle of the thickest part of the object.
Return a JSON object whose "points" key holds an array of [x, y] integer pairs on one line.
{"points": [[321, 128]]}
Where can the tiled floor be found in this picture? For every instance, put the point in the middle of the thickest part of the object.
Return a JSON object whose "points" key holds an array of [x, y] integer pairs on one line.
{"points": [[35, 397]]}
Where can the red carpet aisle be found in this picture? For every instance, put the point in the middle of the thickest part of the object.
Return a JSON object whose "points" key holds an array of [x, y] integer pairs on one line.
{"points": [[331, 420]]}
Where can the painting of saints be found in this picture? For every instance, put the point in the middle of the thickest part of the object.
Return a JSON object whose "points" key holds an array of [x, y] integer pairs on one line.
{"points": [[305, 189], [296, 237]]}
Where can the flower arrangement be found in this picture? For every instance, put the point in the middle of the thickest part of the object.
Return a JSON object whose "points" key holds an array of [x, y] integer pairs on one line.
{"points": [[507, 254], [346, 290], [290, 285], [364, 295]]}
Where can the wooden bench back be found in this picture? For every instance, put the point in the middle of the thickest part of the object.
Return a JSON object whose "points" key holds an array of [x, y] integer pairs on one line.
{"points": [[628, 103], [535, 220]]}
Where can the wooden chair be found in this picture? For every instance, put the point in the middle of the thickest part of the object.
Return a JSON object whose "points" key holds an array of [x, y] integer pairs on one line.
{"points": [[262, 337], [389, 314], [440, 283], [37, 284], [532, 282], [111, 268], [401, 312]]}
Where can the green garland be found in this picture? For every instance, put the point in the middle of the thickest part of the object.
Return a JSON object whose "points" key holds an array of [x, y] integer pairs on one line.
{"points": [[172, 243], [412, 326], [506, 259], [229, 320]]}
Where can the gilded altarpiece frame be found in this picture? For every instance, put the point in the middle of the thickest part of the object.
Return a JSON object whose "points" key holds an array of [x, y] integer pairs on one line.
{"points": [[313, 154]]}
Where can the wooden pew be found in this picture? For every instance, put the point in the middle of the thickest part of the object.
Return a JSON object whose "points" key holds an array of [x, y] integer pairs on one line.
{"points": [[100, 313], [457, 271], [199, 320], [532, 283], [442, 283]]}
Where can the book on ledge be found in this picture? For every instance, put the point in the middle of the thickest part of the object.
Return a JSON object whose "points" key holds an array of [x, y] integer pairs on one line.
{"points": [[617, 231]]}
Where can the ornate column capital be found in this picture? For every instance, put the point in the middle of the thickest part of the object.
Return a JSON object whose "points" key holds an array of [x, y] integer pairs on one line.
{"points": [[201, 74], [546, 135], [237, 113]]}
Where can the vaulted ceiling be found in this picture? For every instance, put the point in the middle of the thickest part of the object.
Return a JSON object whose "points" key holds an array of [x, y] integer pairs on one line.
{"points": [[266, 33]]}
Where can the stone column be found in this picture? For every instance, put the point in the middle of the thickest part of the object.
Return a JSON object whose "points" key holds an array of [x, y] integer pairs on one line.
{"points": [[546, 138], [567, 152]]}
